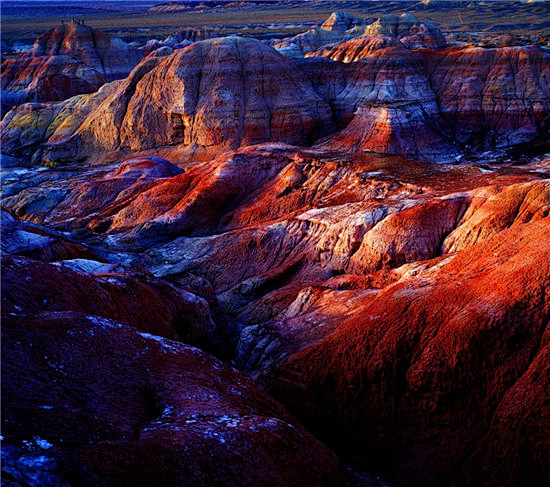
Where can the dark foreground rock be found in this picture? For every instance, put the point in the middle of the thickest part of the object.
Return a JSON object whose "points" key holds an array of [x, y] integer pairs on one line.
{"points": [[90, 401]]}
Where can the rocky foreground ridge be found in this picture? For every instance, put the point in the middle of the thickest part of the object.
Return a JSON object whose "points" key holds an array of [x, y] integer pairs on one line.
{"points": [[362, 292], [225, 197]]}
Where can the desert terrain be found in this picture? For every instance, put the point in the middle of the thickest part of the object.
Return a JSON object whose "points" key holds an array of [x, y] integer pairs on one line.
{"points": [[266, 243]]}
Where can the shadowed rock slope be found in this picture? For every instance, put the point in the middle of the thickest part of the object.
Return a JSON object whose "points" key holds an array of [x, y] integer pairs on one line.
{"points": [[99, 403]]}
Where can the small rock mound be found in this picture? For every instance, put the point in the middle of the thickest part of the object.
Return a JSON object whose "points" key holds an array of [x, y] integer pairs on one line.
{"points": [[341, 21]]}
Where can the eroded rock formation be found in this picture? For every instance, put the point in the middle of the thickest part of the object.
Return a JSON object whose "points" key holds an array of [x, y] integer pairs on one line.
{"points": [[220, 94], [398, 307], [67, 60], [446, 354]]}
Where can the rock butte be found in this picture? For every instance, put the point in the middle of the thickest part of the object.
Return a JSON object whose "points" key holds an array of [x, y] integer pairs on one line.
{"points": [[398, 308], [65, 61]]}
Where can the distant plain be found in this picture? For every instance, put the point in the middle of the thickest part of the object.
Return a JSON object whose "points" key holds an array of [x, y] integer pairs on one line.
{"points": [[23, 21]]}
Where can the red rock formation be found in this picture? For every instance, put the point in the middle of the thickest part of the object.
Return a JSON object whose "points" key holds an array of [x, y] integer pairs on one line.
{"points": [[502, 98], [341, 21], [385, 98], [99, 191], [68, 60], [424, 380], [30, 129], [278, 231], [341, 26], [91, 401]]}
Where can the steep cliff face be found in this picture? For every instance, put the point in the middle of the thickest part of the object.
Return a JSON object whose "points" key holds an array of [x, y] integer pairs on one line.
{"points": [[68, 60]]}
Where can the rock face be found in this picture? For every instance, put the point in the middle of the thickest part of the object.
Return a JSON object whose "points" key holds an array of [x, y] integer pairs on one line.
{"points": [[513, 100], [340, 26], [68, 60], [26, 127], [99, 403], [30, 128], [395, 109], [212, 96], [400, 308]]}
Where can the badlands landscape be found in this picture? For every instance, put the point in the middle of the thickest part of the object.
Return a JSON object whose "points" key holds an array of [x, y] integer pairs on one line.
{"points": [[315, 256]]}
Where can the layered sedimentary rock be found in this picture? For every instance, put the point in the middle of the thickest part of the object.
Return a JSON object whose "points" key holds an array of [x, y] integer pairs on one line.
{"points": [[338, 27], [385, 98], [94, 194], [438, 104], [408, 30], [341, 21], [213, 96], [27, 128], [395, 109], [68, 60], [398, 307], [341, 27], [505, 102]]}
